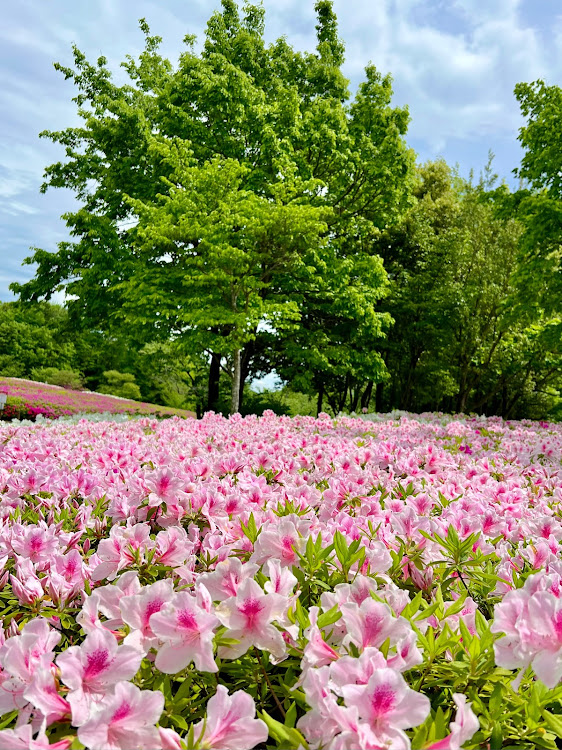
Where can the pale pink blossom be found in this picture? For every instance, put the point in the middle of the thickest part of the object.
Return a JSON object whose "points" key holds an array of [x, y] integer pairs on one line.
{"points": [[280, 540], [349, 670], [125, 546], [317, 653], [36, 543], [172, 547], [26, 585], [386, 703], [125, 720], [111, 595], [186, 632], [230, 723], [371, 623], [21, 656], [21, 738], [137, 609], [281, 580], [43, 695], [169, 739], [226, 578], [93, 669], [164, 486], [463, 728], [249, 618]]}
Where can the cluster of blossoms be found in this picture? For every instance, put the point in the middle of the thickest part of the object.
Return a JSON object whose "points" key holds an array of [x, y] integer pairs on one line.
{"points": [[317, 583], [30, 400]]}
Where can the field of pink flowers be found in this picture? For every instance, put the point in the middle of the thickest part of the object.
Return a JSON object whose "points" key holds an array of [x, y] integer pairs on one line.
{"points": [[28, 399], [227, 584]]}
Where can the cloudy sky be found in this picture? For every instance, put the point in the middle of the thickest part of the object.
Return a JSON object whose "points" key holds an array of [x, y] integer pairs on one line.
{"points": [[454, 63]]}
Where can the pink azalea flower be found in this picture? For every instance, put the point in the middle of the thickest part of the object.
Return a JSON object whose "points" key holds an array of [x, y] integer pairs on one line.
{"points": [[36, 543], [317, 653], [26, 585], [279, 540], [125, 720], [111, 595], [164, 486], [405, 653], [21, 738], [120, 549], [43, 695], [544, 622], [20, 657], [511, 651], [70, 566], [281, 580], [327, 720], [88, 617], [226, 578], [136, 611], [92, 669], [348, 670], [249, 617], [462, 729], [371, 623], [169, 739], [186, 631], [386, 703], [230, 723], [172, 547]]}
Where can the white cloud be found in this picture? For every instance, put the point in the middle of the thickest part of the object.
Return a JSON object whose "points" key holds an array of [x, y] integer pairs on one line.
{"points": [[457, 84], [15, 208]]}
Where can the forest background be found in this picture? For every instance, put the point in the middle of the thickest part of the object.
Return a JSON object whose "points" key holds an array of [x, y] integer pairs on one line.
{"points": [[241, 213]]}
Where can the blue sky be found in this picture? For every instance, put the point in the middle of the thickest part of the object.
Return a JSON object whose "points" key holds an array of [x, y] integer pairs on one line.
{"points": [[454, 63]]}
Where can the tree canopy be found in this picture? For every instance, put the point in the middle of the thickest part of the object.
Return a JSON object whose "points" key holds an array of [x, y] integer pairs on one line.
{"points": [[283, 122]]}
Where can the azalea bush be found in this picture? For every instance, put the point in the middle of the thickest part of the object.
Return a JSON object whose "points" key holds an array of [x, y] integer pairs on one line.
{"points": [[28, 399], [228, 584]]}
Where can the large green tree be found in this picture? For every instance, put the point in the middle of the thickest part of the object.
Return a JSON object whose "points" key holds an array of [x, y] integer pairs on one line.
{"points": [[228, 255], [539, 204], [34, 336], [460, 341], [279, 115]]}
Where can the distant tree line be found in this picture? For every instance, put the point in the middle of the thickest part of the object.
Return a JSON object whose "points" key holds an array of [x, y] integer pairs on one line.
{"points": [[241, 213]]}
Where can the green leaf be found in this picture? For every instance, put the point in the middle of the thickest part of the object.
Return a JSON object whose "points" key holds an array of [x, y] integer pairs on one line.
{"points": [[329, 617], [496, 738], [553, 722], [288, 737], [291, 715]]}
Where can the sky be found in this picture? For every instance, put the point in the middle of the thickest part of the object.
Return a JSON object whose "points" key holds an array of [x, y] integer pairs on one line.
{"points": [[454, 64]]}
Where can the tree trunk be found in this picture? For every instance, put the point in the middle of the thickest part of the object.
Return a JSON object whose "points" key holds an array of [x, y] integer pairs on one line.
{"points": [[320, 399], [214, 377], [343, 396], [504, 401], [354, 396], [236, 373], [245, 369], [366, 397]]}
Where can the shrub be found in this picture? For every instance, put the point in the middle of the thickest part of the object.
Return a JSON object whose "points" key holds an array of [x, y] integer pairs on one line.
{"points": [[120, 384], [64, 378]]}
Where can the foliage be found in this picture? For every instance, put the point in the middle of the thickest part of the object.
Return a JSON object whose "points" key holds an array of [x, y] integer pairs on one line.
{"points": [[540, 207], [222, 244], [279, 129], [459, 342], [33, 336], [120, 384], [65, 378]]}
